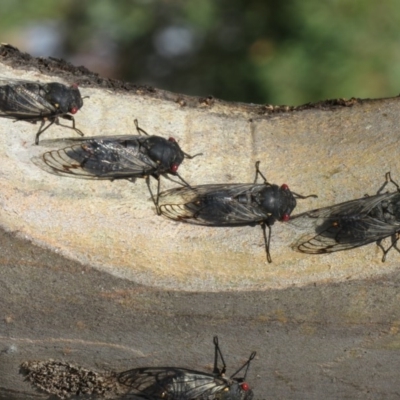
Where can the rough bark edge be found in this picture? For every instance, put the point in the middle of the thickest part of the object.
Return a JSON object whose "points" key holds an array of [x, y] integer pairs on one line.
{"points": [[11, 56]]}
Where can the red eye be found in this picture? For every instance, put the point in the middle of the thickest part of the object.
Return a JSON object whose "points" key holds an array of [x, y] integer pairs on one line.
{"points": [[285, 187], [74, 110], [285, 217], [74, 85], [245, 386], [171, 139], [174, 167]]}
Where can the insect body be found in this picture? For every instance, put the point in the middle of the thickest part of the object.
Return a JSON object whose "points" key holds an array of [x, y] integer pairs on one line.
{"points": [[114, 157], [33, 101], [352, 224], [183, 384], [231, 205]]}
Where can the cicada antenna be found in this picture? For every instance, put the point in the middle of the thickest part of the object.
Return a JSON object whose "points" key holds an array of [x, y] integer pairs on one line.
{"points": [[247, 365], [259, 173], [139, 129], [186, 155], [218, 352], [300, 196]]}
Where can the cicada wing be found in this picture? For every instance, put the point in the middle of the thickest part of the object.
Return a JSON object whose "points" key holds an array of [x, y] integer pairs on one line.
{"points": [[65, 142], [151, 383], [212, 205], [99, 158], [347, 235], [349, 208], [22, 100], [345, 226], [170, 383]]}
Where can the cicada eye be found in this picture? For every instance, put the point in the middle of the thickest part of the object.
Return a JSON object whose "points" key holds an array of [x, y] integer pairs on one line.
{"points": [[285, 217], [174, 168], [171, 139], [74, 110], [285, 187], [245, 386]]}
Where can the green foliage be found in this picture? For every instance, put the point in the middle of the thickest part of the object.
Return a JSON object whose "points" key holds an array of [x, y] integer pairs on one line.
{"points": [[289, 52]]}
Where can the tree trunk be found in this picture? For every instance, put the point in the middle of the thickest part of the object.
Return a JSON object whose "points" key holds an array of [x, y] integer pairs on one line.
{"points": [[90, 275]]}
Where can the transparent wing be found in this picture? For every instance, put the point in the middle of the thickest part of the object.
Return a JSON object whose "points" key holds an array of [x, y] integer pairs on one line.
{"points": [[220, 204], [350, 208], [345, 226], [171, 383], [125, 140], [106, 157], [22, 99]]}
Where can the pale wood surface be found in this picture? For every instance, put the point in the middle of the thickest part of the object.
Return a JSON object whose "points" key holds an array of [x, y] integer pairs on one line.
{"points": [[146, 291]]}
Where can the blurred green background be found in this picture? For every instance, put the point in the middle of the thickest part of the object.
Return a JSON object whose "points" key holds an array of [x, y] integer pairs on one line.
{"points": [[278, 52]]}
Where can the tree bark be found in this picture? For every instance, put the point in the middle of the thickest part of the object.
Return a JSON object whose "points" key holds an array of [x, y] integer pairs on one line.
{"points": [[89, 274]]}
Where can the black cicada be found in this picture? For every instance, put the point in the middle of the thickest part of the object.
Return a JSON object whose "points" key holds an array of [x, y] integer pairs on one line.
{"points": [[231, 205], [34, 101], [353, 224], [115, 157], [184, 384]]}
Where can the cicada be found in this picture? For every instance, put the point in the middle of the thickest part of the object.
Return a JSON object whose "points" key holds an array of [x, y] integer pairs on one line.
{"points": [[115, 157], [232, 204], [34, 101], [352, 224], [169, 383]]}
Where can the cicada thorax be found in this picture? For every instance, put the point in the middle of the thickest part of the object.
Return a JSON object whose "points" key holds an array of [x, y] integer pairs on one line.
{"points": [[166, 153], [276, 201]]}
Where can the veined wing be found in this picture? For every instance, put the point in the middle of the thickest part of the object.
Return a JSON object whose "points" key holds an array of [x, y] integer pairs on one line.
{"points": [[212, 204], [21, 99], [171, 383], [105, 157], [64, 142], [345, 226], [347, 209]]}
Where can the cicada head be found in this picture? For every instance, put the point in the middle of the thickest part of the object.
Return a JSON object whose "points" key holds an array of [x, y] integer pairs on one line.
{"points": [[65, 99], [166, 153], [236, 391], [278, 201]]}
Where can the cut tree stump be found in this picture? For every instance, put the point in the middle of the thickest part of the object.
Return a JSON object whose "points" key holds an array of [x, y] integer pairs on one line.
{"points": [[91, 276]]}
